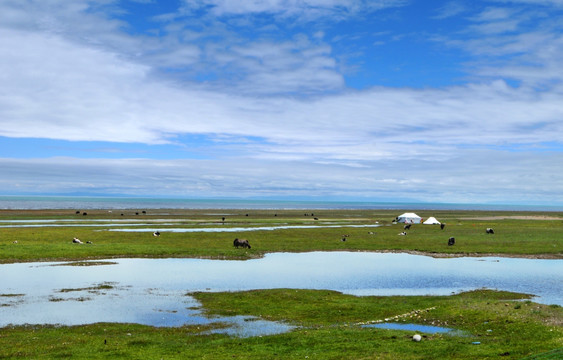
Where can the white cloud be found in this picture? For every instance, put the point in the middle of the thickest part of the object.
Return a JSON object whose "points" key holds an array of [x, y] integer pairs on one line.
{"points": [[267, 67], [95, 95], [450, 9], [556, 3], [521, 44]]}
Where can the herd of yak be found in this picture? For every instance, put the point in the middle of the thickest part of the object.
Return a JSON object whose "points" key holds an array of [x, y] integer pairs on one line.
{"points": [[243, 243], [451, 240]]}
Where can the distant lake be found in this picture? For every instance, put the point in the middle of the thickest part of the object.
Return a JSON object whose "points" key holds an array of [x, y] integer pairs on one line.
{"points": [[153, 291], [93, 202]]}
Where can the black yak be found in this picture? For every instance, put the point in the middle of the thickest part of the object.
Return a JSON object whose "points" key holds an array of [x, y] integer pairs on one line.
{"points": [[241, 242]]}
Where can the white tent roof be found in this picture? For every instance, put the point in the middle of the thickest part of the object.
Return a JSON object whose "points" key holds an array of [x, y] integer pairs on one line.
{"points": [[431, 221], [409, 215]]}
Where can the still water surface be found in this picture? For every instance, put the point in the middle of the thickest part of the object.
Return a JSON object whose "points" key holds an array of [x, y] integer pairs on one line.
{"points": [[154, 291]]}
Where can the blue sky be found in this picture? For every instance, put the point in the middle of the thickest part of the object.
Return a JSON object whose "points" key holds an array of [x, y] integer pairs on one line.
{"points": [[432, 101]]}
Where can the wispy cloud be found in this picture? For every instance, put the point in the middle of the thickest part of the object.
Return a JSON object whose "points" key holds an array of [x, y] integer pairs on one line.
{"points": [[304, 9], [425, 180], [450, 9]]}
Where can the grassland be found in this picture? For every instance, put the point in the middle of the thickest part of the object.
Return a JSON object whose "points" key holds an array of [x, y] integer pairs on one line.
{"points": [[328, 324], [516, 234], [494, 324]]}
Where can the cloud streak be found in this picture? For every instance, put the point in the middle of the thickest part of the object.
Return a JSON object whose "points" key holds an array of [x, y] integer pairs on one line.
{"points": [[425, 180]]}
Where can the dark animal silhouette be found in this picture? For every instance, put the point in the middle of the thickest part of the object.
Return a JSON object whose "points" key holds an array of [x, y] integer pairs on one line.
{"points": [[241, 242], [442, 226], [407, 227], [490, 231], [451, 241]]}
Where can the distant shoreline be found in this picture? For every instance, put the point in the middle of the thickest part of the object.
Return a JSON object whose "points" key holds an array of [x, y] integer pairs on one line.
{"points": [[474, 255]]}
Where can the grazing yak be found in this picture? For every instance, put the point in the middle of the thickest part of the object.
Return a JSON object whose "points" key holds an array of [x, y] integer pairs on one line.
{"points": [[442, 226], [407, 227], [490, 231], [241, 242], [156, 233], [451, 241]]}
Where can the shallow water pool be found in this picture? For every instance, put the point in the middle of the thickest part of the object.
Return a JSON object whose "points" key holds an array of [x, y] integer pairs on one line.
{"points": [[412, 327], [154, 291]]}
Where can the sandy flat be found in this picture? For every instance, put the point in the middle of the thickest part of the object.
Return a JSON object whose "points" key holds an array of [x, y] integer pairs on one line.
{"points": [[515, 217]]}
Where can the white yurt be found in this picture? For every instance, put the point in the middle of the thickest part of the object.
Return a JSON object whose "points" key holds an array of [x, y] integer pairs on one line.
{"points": [[409, 218]]}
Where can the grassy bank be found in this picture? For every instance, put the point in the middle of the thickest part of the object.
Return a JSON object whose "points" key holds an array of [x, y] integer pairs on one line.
{"points": [[516, 234], [493, 325]]}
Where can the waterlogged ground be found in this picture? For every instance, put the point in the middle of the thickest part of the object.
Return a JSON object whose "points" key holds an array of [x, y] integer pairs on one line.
{"points": [[156, 291]]}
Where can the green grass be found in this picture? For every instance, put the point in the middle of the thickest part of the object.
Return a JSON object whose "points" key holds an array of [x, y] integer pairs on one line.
{"points": [[512, 237], [328, 328]]}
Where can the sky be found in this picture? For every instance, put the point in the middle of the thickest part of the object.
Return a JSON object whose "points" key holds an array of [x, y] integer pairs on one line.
{"points": [[451, 101]]}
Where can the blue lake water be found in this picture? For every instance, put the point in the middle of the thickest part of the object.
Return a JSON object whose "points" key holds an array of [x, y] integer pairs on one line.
{"points": [[100, 202], [154, 291], [412, 327]]}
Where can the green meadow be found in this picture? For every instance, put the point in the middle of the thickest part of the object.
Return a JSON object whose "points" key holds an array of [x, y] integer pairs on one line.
{"points": [[516, 234], [328, 325]]}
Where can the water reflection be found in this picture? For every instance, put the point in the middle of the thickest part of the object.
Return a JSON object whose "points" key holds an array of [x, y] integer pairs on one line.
{"points": [[413, 327], [240, 229], [248, 326], [153, 291]]}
